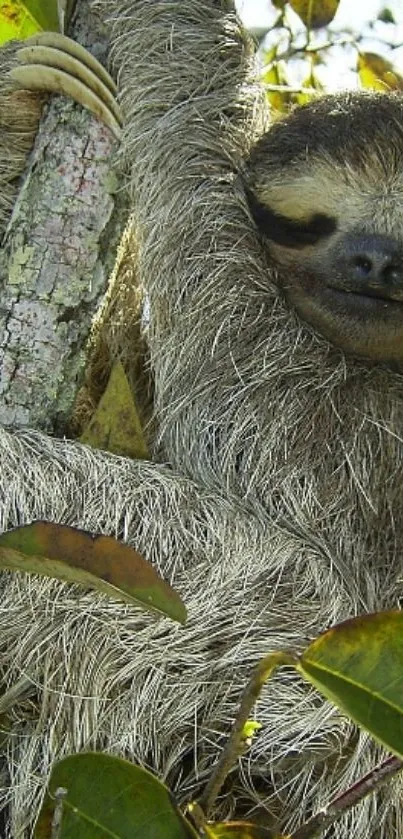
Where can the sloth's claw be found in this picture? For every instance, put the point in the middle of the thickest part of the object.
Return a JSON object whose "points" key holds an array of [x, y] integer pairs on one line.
{"points": [[67, 45], [55, 63]]}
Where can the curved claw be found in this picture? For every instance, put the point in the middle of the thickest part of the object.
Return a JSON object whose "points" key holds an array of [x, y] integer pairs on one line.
{"points": [[67, 45], [55, 63]]}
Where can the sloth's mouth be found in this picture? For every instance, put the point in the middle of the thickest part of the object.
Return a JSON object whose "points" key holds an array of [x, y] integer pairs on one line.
{"points": [[375, 298]]}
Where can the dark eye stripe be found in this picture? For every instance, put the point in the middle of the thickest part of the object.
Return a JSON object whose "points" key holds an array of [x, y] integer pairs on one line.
{"points": [[285, 231]]}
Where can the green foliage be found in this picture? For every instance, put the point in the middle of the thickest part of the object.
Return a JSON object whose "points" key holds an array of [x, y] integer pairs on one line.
{"points": [[275, 78], [239, 830], [96, 795], [315, 13], [386, 16], [358, 665], [378, 73], [21, 18], [44, 12], [312, 44]]}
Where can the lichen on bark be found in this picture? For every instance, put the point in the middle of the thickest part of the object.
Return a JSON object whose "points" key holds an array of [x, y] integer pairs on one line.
{"points": [[57, 256]]}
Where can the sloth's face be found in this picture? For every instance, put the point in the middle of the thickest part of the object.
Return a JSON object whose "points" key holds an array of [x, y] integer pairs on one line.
{"points": [[325, 187]]}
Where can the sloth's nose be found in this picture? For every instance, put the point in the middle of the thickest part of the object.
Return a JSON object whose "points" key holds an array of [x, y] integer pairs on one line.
{"points": [[375, 262]]}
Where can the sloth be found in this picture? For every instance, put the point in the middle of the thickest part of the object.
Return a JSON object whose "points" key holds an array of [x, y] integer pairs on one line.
{"points": [[325, 187], [272, 270]]}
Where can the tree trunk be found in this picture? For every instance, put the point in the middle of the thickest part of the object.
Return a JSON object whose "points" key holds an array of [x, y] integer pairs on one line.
{"points": [[58, 254]]}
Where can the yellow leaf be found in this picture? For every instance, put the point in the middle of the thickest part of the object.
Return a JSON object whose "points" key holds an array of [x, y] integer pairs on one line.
{"points": [[378, 73], [251, 728], [115, 425], [21, 18], [311, 82], [15, 22], [275, 74]]}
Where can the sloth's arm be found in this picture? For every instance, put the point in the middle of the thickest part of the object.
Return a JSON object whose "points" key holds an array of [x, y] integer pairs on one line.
{"points": [[184, 69]]}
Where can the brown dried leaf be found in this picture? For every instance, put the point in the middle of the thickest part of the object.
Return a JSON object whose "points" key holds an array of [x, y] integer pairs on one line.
{"points": [[98, 562]]}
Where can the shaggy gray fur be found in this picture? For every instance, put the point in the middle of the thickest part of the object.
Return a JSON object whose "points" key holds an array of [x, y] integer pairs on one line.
{"points": [[283, 512]]}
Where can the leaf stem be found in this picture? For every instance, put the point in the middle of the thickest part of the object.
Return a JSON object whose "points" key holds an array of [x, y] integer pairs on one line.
{"points": [[235, 743]]}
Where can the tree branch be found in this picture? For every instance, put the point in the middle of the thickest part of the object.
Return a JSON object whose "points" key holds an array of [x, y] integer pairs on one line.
{"points": [[58, 255], [337, 808]]}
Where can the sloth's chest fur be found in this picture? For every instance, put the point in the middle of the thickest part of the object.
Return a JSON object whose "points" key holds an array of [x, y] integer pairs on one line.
{"points": [[307, 438]]}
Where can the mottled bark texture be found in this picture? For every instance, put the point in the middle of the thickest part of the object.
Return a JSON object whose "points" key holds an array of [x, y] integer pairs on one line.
{"points": [[58, 252]]}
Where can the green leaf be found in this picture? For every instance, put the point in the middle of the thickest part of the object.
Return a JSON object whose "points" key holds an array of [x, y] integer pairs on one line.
{"points": [[311, 82], [15, 21], [358, 665], [44, 13], [105, 797], [315, 13], [98, 562], [21, 18], [65, 9], [386, 16]]}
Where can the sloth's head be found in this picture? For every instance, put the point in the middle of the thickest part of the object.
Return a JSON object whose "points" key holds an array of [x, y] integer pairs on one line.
{"points": [[325, 187]]}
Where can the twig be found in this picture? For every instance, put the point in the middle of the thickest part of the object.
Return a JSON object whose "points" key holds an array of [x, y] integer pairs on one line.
{"points": [[286, 88], [56, 826], [337, 808], [234, 745]]}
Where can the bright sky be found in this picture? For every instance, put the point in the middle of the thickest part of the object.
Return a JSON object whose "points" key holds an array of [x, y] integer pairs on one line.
{"points": [[352, 14], [256, 12]]}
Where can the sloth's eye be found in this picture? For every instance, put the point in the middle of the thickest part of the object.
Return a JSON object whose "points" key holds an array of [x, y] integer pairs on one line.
{"points": [[287, 232]]}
